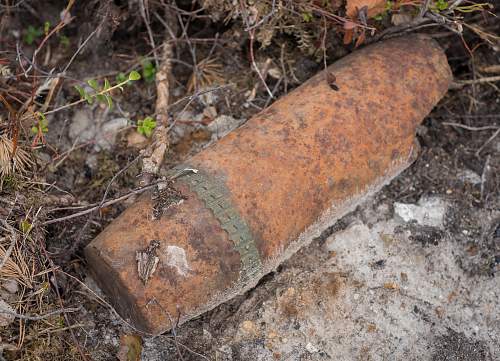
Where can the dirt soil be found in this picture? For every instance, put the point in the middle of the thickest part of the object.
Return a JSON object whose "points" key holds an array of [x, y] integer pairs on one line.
{"points": [[381, 284]]}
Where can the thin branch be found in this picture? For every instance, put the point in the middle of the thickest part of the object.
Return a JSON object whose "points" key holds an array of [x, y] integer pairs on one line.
{"points": [[251, 34], [40, 317], [488, 142], [80, 49], [474, 129], [264, 18], [488, 79], [254, 64], [104, 91], [145, 16], [119, 199], [105, 204], [108, 187]]}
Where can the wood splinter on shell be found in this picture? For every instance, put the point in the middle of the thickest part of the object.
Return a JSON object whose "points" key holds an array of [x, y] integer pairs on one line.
{"points": [[147, 261]]}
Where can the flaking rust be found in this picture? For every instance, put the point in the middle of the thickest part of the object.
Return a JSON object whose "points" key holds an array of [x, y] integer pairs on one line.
{"points": [[259, 194]]}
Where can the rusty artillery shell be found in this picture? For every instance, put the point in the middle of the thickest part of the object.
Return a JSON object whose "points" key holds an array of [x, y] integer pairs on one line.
{"points": [[271, 186]]}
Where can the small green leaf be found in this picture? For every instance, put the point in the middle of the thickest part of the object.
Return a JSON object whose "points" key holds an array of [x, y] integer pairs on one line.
{"points": [[32, 33], [25, 226], [34, 130], [107, 85], [148, 71], [64, 40], [134, 75], [88, 98], [41, 116], [109, 100], [81, 91], [146, 126], [43, 124], [121, 78], [46, 27], [307, 17], [93, 83], [441, 5], [100, 98]]}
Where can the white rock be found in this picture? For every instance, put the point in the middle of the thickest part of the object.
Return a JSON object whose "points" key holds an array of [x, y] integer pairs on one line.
{"points": [[428, 211]]}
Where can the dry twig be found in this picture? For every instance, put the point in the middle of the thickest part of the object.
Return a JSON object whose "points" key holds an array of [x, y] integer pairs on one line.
{"points": [[154, 155], [37, 317]]}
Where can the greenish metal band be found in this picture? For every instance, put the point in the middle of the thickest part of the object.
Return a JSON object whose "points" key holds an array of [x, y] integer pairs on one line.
{"points": [[215, 195]]}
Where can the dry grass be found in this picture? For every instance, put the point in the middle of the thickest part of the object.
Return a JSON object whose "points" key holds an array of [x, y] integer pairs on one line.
{"points": [[10, 164], [22, 264], [205, 74], [16, 266]]}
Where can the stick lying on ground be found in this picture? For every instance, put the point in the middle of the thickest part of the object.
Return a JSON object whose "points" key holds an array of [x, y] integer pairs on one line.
{"points": [[268, 188]]}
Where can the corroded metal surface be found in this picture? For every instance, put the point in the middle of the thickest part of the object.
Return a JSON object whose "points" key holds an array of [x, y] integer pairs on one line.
{"points": [[217, 199], [273, 184]]}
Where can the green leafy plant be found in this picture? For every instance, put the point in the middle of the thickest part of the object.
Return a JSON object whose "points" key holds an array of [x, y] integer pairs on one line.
{"points": [[25, 226], [441, 5], [42, 125], [32, 34], [148, 71], [133, 76], [64, 40], [102, 93], [46, 27], [146, 126], [122, 77], [388, 7], [307, 17]]}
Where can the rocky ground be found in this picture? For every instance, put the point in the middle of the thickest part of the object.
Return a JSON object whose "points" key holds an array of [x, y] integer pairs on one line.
{"points": [[412, 273]]}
